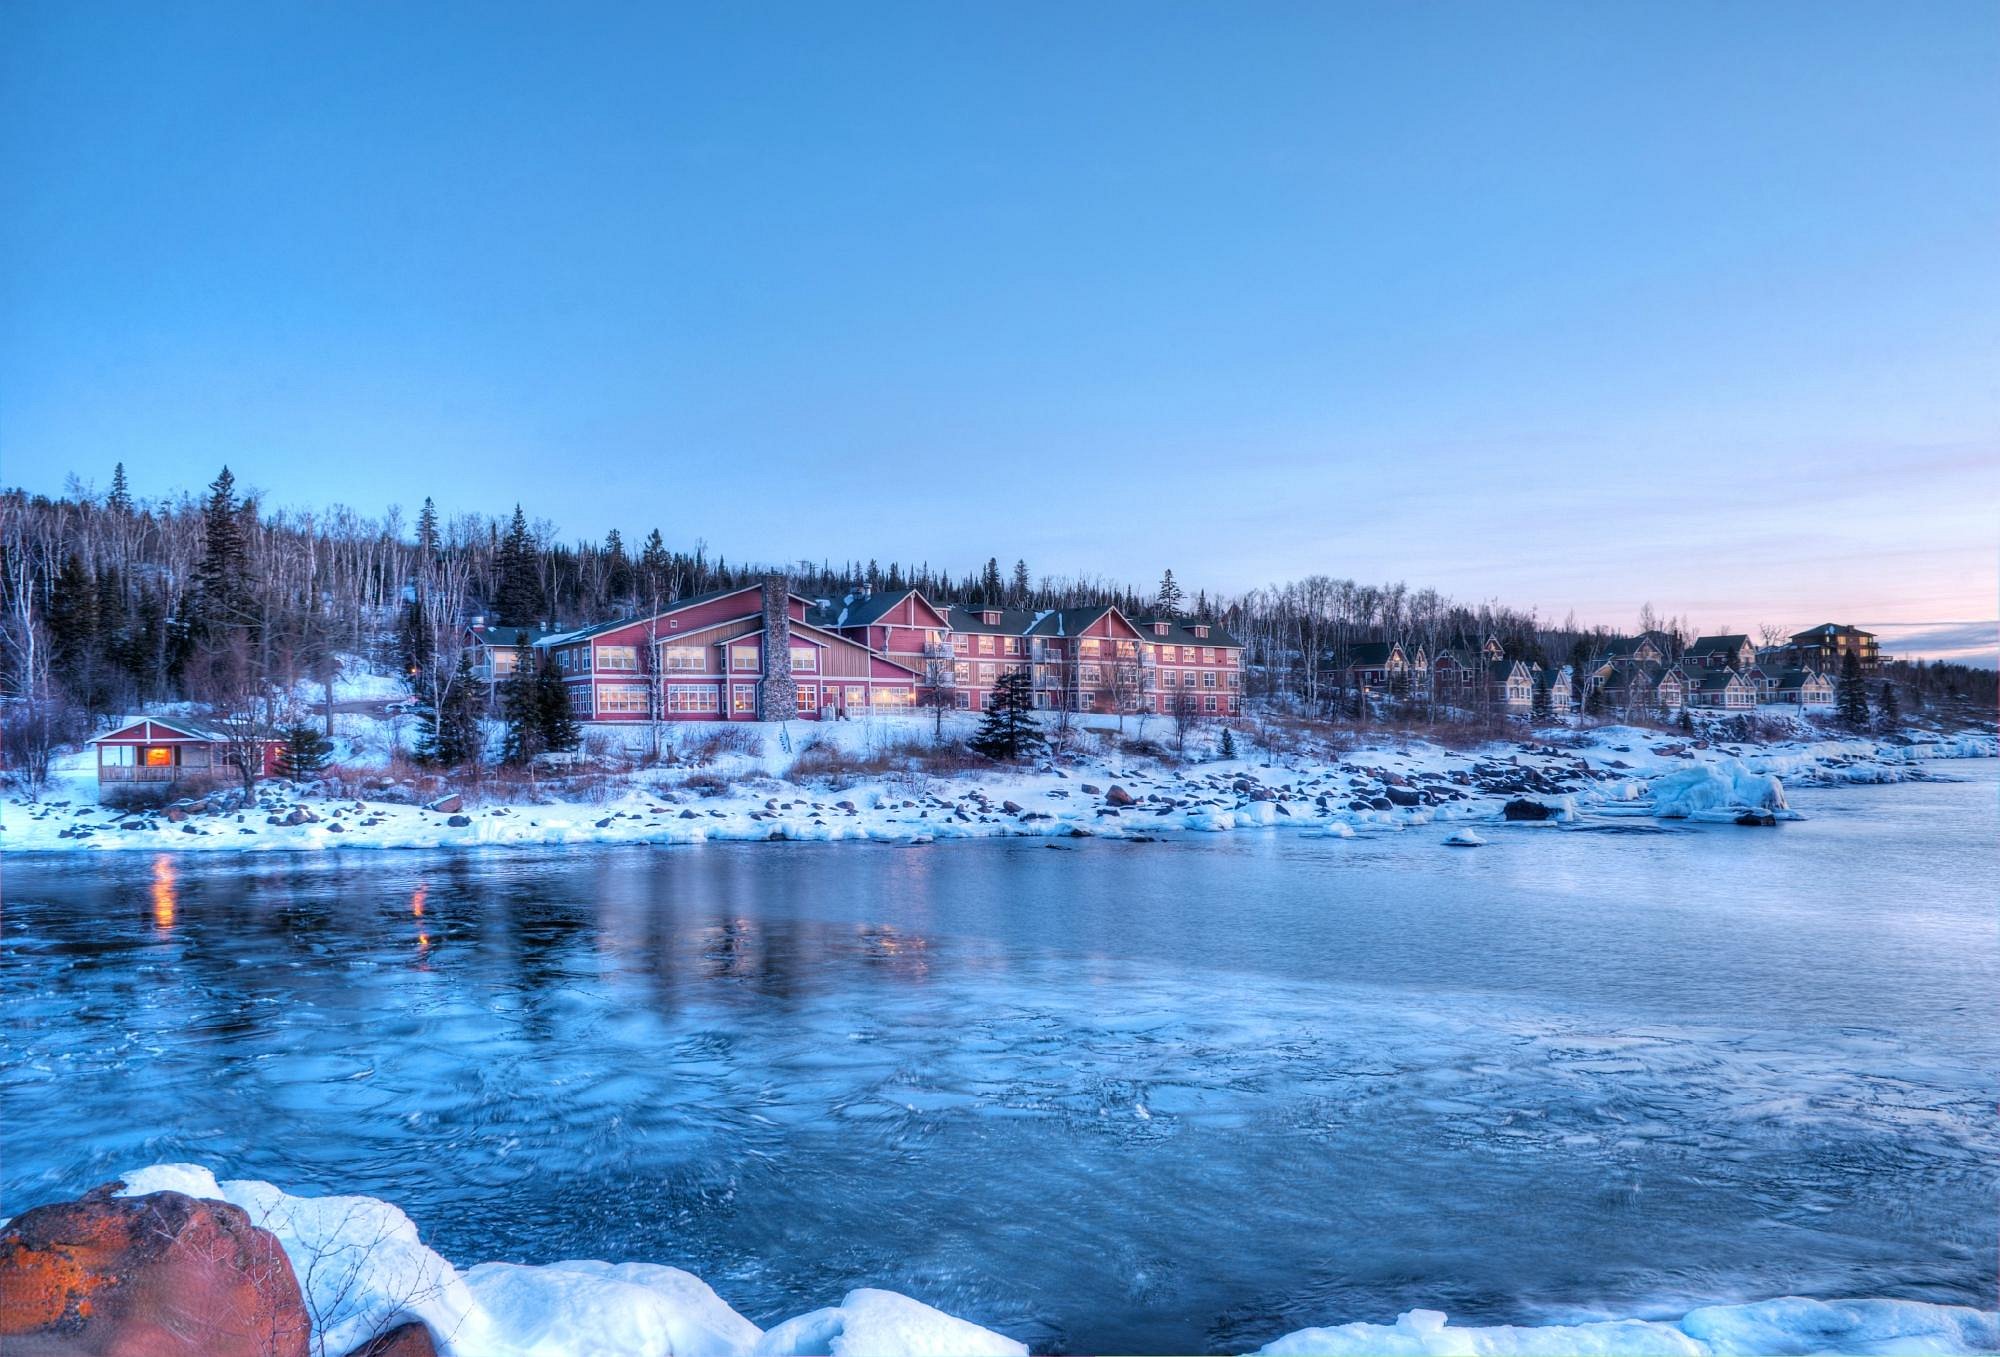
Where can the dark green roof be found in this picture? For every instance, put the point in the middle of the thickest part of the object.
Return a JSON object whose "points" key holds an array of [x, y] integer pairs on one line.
{"points": [[1180, 631]]}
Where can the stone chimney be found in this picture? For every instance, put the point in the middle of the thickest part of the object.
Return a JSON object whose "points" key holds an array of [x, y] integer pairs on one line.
{"points": [[777, 694]]}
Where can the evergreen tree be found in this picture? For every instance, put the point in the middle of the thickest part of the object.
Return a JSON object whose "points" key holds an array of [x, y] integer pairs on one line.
{"points": [[617, 568], [1544, 703], [1169, 600], [521, 709], [1019, 598], [119, 501], [452, 738], [1886, 709], [1009, 729], [72, 619], [306, 753], [1686, 721], [990, 589], [517, 600], [1593, 701], [222, 578], [653, 568], [427, 535], [560, 731], [414, 647], [1228, 749], [1852, 702]]}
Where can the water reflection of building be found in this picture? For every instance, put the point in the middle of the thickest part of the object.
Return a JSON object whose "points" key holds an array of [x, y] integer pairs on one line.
{"points": [[163, 892]]}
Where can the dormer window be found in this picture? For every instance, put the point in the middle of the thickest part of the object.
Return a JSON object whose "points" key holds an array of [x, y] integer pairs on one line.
{"points": [[991, 617], [1161, 628], [1201, 631]]}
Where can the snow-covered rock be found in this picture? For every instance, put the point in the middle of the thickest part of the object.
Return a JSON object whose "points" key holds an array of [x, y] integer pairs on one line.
{"points": [[1727, 784], [1787, 1326], [872, 1323]]}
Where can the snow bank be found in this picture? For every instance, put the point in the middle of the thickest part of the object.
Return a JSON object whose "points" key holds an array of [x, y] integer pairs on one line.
{"points": [[1726, 784], [872, 1323], [1787, 1326], [364, 1270], [608, 1310]]}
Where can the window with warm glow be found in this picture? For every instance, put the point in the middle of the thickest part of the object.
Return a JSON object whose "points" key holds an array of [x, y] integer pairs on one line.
{"points": [[159, 757]]}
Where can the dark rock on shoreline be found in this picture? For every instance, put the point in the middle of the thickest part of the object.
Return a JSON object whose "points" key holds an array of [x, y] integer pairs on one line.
{"points": [[163, 1275]]}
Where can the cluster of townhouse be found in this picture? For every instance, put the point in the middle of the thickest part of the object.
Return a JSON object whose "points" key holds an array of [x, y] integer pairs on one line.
{"points": [[761, 652], [1634, 674], [1730, 672]]}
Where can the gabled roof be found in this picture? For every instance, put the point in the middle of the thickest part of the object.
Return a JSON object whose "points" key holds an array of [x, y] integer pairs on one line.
{"points": [[858, 610], [1827, 629], [1180, 631], [678, 605], [1013, 621], [1369, 655], [1072, 621], [491, 634], [187, 728], [1715, 680], [1621, 646], [1710, 645]]}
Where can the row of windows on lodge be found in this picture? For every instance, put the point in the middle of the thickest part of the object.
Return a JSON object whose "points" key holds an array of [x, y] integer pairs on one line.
{"points": [[685, 699], [694, 659]]}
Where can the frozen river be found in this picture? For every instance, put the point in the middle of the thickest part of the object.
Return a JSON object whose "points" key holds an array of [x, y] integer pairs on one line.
{"points": [[1104, 1096]]}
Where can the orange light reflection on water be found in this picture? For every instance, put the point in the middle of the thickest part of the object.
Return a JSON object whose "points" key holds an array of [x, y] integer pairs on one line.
{"points": [[163, 892]]}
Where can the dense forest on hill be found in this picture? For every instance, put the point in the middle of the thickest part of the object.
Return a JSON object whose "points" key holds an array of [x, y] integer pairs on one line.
{"points": [[112, 602]]}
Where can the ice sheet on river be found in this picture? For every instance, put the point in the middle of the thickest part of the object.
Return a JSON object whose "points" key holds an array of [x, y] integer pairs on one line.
{"points": [[364, 1270]]}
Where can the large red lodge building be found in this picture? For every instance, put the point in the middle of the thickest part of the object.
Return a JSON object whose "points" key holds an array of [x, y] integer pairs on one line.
{"points": [[761, 652]]}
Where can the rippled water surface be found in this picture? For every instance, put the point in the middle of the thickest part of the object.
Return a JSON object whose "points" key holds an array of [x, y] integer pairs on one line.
{"points": [[1113, 1097]]}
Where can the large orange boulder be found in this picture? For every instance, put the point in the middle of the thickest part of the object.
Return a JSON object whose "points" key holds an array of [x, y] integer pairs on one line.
{"points": [[163, 1275]]}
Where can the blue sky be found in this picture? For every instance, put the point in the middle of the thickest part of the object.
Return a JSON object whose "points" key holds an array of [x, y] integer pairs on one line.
{"points": [[1572, 305]]}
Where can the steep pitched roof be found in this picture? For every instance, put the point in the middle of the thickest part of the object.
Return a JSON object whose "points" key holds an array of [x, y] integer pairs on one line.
{"points": [[1180, 631], [858, 610], [678, 605], [1013, 621], [1710, 645], [185, 727], [1369, 655]]}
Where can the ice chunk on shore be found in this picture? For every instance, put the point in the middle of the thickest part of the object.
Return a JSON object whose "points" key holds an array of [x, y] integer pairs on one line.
{"points": [[1790, 1326], [871, 1323], [607, 1310], [1720, 785]]}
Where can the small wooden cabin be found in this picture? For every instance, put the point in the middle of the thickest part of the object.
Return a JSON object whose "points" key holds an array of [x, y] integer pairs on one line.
{"points": [[153, 749]]}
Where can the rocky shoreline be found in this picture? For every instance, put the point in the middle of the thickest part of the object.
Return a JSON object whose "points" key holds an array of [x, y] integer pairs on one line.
{"points": [[1622, 773], [168, 1262]]}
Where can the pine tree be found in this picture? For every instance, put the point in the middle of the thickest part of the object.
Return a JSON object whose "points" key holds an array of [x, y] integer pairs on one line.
{"points": [[72, 619], [306, 753], [1019, 598], [560, 731], [617, 569], [1886, 708], [414, 647], [517, 598], [222, 579], [1852, 702], [1009, 729], [521, 709], [653, 567], [1544, 703], [453, 738], [427, 535], [1228, 749], [990, 588], [119, 501], [1169, 600]]}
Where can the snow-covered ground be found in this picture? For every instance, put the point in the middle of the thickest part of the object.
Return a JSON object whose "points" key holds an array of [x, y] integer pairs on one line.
{"points": [[364, 1269], [752, 789]]}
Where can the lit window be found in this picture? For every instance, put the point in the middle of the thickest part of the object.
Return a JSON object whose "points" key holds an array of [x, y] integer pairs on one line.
{"points": [[805, 657], [742, 698], [617, 657], [684, 659], [688, 697], [623, 698]]}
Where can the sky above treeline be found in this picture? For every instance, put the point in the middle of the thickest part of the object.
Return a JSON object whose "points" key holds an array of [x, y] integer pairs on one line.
{"points": [[1573, 306]]}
